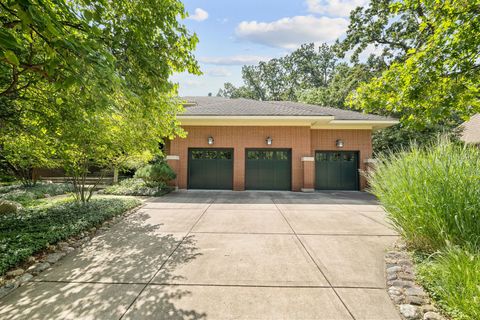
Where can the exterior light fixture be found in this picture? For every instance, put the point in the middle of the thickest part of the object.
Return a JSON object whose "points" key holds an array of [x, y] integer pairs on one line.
{"points": [[339, 143], [269, 141], [210, 140]]}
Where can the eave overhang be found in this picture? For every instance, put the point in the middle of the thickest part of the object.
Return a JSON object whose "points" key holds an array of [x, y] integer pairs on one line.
{"points": [[314, 122]]}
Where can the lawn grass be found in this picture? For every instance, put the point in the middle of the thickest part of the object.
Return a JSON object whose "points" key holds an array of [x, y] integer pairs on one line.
{"points": [[33, 229]]}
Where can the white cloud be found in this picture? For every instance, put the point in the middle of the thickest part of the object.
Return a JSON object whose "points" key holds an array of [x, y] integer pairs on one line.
{"points": [[290, 33], [334, 8], [199, 15], [218, 72], [233, 60]]}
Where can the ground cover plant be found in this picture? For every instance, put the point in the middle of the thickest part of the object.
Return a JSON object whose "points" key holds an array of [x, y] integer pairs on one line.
{"points": [[432, 197], [33, 229], [135, 187], [26, 196]]}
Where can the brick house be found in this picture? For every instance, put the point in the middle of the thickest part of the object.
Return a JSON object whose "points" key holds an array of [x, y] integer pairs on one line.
{"points": [[241, 144]]}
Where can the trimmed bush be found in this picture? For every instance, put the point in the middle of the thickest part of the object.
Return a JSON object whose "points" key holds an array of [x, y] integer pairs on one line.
{"points": [[432, 194], [453, 280], [156, 175], [135, 187], [31, 231]]}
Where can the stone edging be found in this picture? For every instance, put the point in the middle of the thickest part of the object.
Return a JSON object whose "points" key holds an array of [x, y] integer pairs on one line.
{"points": [[42, 261], [409, 297]]}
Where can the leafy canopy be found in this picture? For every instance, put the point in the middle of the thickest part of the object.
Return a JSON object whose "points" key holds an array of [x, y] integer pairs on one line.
{"points": [[436, 81]]}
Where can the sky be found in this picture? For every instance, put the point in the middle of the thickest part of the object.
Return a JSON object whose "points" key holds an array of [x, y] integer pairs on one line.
{"points": [[234, 33]]}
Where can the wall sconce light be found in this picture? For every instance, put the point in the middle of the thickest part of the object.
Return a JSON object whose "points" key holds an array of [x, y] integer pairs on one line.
{"points": [[269, 141], [339, 143], [210, 140]]}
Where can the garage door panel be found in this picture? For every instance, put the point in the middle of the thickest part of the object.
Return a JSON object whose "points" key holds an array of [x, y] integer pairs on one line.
{"points": [[336, 170], [268, 169], [210, 168]]}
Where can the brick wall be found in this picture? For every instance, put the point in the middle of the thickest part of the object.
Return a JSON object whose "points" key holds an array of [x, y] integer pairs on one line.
{"points": [[301, 140]]}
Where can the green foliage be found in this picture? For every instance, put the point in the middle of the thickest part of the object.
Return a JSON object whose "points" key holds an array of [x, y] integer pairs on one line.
{"points": [[20, 152], [452, 278], [432, 194], [22, 235], [436, 81], [87, 82], [400, 137], [27, 195], [281, 78], [51, 46], [343, 81], [135, 187], [156, 175]]}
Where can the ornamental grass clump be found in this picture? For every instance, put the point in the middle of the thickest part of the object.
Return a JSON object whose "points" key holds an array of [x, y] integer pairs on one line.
{"points": [[432, 194], [453, 279]]}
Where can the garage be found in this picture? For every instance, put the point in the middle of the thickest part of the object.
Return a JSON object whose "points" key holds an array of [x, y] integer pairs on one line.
{"points": [[210, 168], [336, 170], [268, 169]]}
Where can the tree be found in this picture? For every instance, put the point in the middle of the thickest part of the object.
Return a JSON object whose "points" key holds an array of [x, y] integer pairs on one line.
{"points": [[48, 46], [343, 81], [282, 78], [21, 153], [436, 81], [93, 77]]}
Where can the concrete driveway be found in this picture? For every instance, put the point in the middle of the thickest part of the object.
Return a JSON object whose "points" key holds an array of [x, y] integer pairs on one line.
{"points": [[224, 255]]}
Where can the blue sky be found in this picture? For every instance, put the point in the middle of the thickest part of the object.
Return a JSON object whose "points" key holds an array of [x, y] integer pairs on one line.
{"points": [[234, 33]]}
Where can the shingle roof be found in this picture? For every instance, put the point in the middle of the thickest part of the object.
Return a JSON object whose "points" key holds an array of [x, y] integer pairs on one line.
{"points": [[219, 106], [471, 130]]}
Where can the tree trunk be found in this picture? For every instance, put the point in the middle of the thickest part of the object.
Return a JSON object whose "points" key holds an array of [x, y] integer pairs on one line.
{"points": [[115, 175]]}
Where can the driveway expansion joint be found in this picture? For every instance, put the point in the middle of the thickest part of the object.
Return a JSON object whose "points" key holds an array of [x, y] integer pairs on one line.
{"points": [[167, 259], [313, 260]]}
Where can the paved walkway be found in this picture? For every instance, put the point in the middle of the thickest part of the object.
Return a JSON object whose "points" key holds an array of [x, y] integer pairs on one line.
{"points": [[224, 255]]}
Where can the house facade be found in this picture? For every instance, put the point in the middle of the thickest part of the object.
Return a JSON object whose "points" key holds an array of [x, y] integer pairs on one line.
{"points": [[241, 144], [470, 130]]}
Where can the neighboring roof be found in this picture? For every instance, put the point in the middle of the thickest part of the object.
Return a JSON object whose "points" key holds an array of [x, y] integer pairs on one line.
{"points": [[471, 130], [219, 106]]}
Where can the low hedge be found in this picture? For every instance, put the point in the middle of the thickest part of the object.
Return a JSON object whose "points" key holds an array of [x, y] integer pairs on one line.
{"points": [[33, 229]]}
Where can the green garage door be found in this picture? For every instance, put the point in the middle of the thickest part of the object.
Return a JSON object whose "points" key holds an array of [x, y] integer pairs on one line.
{"points": [[210, 168], [268, 169], [336, 170]]}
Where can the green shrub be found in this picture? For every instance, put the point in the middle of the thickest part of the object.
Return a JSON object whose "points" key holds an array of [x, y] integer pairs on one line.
{"points": [[453, 280], [432, 195], [156, 175], [31, 231], [27, 195], [135, 187]]}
